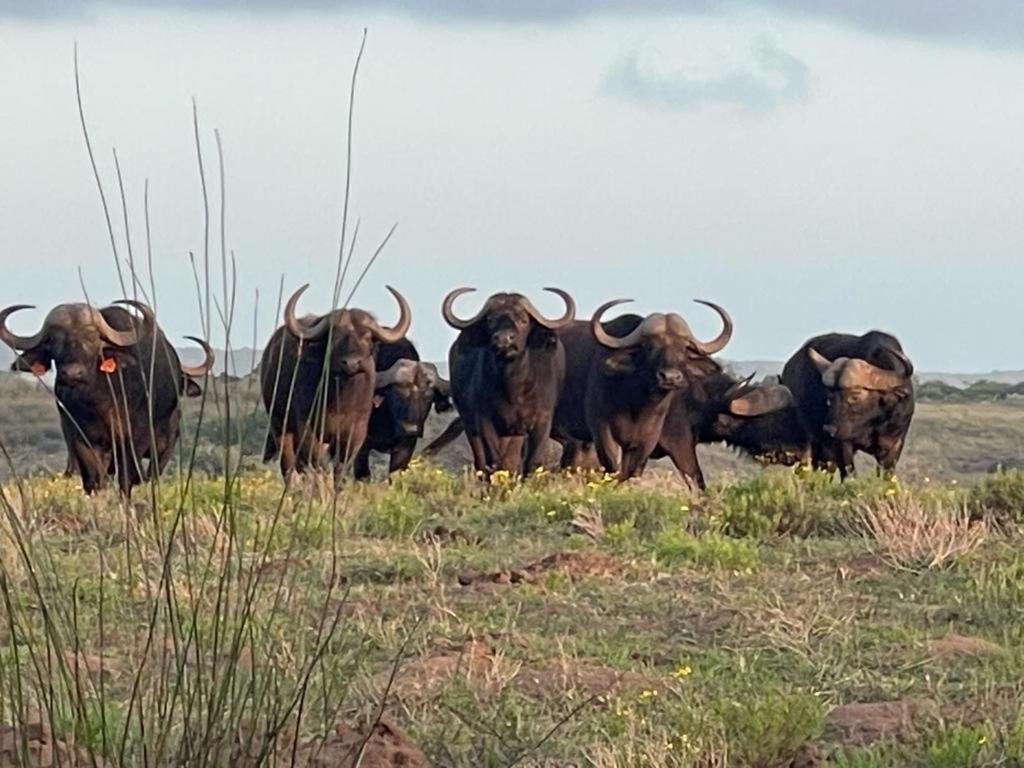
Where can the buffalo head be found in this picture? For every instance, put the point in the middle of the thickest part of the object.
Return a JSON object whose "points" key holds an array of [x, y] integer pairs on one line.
{"points": [[406, 391], [661, 349], [351, 333], [861, 397], [508, 322], [83, 346]]}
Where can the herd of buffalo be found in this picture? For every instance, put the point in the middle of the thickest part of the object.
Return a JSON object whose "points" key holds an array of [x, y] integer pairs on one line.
{"points": [[337, 386]]}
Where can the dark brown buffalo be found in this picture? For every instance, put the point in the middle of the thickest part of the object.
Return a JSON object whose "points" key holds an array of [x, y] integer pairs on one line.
{"points": [[317, 377], [852, 393], [118, 387], [621, 377], [507, 367], [758, 419], [405, 390]]}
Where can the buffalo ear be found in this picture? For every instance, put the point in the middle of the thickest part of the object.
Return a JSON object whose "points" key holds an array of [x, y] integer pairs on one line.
{"points": [[31, 362], [619, 363], [761, 400], [442, 402], [541, 337], [191, 388]]}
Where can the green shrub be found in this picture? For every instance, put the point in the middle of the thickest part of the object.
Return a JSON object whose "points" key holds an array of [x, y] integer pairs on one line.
{"points": [[999, 496], [712, 550], [768, 730]]}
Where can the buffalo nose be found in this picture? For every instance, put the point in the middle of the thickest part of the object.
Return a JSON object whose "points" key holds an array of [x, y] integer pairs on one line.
{"points": [[74, 372], [670, 378], [503, 340], [352, 364]]}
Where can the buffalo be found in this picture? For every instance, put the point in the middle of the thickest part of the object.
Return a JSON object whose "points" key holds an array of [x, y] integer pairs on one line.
{"points": [[621, 378], [852, 393], [317, 376], [507, 368], [757, 419], [405, 390], [118, 387]]}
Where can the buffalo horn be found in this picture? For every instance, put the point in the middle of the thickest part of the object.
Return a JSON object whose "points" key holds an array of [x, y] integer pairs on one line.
{"points": [[457, 322], [564, 320], [718, 343], [198, 371], [24, 343], [398, 331], [604, 338]]}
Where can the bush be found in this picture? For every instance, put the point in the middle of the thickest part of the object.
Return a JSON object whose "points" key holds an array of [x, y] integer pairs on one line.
{"points": [[999, 496], [708, 550]]}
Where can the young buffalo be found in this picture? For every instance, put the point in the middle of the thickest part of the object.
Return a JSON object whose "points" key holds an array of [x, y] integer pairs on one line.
{"points": [[405, 390]]}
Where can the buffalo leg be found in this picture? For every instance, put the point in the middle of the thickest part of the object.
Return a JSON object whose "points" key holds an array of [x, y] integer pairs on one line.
{"points": [[845, 453], [682, 449], [92, 466], [401, 455], [535, 444], [361, 465], [607, 449], [287, 448], [510, 454], [634, 460], [476, 445]]}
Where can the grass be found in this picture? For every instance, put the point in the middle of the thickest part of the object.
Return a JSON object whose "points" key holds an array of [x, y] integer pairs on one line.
{"points": [[679, 630]]}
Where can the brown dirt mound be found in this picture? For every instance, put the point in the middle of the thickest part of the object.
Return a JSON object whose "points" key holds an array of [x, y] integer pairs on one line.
{"points": [[575, 564], [41, 749], [864, 723], [387, 746], [962, 645]]}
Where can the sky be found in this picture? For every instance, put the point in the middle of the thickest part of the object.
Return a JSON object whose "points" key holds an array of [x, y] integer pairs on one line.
{"points": [[812, 165]]}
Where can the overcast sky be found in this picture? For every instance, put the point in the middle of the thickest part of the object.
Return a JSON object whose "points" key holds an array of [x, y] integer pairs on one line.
{"points": [[813, 165]]}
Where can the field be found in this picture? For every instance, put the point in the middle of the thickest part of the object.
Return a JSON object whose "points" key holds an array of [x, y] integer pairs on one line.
{"points": [[780, 619]]}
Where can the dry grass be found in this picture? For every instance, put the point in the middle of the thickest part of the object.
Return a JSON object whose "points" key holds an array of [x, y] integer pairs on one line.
{"points": [[915, 534]]}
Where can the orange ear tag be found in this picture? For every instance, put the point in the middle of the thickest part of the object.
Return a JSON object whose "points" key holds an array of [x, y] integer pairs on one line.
{"points": [[39, 369], [108, 365]]}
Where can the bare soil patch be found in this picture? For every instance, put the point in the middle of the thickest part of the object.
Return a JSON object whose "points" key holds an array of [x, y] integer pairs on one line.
{"points": [[476, 661], [864, 723], [963, 645], [573, 564]]}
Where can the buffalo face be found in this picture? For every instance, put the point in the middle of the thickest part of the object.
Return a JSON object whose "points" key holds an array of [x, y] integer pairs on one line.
{"points": [[864, 401], [352, 333], [406, 391], [508, 322], [79, 341], [661, 351]]}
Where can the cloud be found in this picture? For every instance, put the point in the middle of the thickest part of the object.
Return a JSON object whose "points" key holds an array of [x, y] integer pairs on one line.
{"points": [[768, 77], [998, 22]]}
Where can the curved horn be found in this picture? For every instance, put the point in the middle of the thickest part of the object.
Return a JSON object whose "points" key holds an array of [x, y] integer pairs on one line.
{"points": [[23, 343], [295, 328], [821, 362], [862, 374], [124, 338], [388, 377], [762, 399], [907, 365], [607, 340], [718, 343], [398, 331], [739, 387], [449, 316], [198, 371], [564, 320]]}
